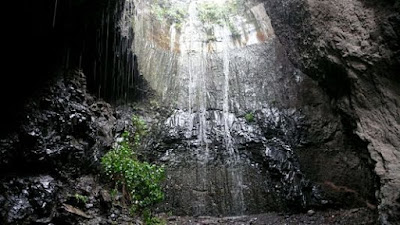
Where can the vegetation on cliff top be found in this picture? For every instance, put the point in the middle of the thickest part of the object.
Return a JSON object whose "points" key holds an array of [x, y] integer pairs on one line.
{"points": [[211, 13], [165, 12]]}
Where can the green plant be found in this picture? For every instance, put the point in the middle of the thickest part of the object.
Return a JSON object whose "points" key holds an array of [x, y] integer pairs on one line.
{"points": [[210, 12], [140, 130], [81, 198], [164, 11], [213, 13], [249, 117], [140, 182]]}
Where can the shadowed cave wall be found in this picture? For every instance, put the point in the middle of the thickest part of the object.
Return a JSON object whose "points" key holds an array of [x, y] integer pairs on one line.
{"points": [[53, 35]]}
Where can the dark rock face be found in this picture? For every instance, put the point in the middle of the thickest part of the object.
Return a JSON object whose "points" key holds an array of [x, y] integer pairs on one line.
{"points": [[261, 169], [63, 127], [63, 135], [52, 130], [28, 199], [256, 172], [219, 163], [352, 49]]}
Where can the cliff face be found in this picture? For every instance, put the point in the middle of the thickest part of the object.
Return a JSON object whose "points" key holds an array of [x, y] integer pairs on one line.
{"points": [[352, 49], [349, 48], [215, 77]]}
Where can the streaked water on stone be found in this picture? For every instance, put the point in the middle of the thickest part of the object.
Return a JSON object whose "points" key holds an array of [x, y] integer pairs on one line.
{"points": [[218, 159]]}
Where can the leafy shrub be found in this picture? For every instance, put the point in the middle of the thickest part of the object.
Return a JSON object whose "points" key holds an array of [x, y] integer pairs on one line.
{"points": [[249, 117], [140, 182], [164, 11], [81, 198], [140, 130], [212, 13]]}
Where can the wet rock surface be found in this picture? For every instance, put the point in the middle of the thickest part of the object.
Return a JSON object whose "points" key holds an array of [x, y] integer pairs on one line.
{"points": [[28, 199], [240, 105], [62, 136], [351, 48], [62, 128], [253, 173]]}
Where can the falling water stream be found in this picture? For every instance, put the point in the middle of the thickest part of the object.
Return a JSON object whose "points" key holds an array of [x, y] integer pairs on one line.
{"points": [[226, 40], [209, 83], [172, 32]]}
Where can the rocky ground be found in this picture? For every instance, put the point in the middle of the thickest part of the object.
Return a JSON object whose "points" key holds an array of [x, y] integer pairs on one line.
{"points": [[353, 216]]}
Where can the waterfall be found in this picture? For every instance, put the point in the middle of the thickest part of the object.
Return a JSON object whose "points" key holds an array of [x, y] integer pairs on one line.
{"points": [[235, 173], [202, 92], [193, 63], [189, 31], [172, 32], [200, 71], [225, 52]]}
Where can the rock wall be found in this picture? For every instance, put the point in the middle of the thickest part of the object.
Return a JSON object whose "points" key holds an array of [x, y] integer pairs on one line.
{"points": [[352, 49], [64, 133], [62, 125], [53, 131], [219, 162]]}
